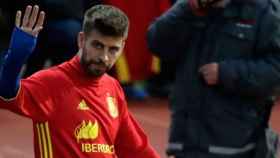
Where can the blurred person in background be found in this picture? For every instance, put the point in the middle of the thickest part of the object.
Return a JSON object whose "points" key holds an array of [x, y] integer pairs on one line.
{"points": [[160, 84], [227, 55]]}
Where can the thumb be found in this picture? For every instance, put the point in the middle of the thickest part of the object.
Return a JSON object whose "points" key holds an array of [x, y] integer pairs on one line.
{"points": [[37, 30]]}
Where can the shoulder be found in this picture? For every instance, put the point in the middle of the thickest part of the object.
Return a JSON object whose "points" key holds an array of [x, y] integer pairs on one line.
{"points": [[271, 7], [275, 7], [268, 15], [114, 86], [109, 80], [47, 76]]}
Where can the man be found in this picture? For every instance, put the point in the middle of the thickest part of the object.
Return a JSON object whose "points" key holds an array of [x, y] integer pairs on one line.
{"points": [[76, 108], [228, 66]]}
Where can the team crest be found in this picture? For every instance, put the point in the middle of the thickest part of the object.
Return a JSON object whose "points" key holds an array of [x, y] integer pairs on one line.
{"points": [[112, 106]]}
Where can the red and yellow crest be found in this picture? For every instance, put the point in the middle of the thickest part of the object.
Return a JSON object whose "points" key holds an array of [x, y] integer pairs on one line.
{"points": [[112, 106]]}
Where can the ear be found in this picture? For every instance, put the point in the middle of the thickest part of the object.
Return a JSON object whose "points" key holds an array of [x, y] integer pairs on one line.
{"points": [[123, 43], [81, 39], [122, 46]]}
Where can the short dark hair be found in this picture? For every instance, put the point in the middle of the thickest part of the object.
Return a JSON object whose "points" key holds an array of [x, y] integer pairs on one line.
{"points": [[106, 19]]}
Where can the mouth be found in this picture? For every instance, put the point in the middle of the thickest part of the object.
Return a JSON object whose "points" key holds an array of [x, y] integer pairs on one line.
{"points": [[101, 67]]}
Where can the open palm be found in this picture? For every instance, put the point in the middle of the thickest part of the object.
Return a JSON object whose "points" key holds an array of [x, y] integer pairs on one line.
{"points": [[30, 23]]}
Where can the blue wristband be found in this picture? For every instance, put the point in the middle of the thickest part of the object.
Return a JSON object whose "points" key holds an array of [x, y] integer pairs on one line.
{"points": [[21, 47]]}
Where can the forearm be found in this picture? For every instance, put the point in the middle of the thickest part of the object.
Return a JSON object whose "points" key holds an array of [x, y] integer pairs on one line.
{"points": [[21, 47], [257, 78], [259, 75], [132, 141]]}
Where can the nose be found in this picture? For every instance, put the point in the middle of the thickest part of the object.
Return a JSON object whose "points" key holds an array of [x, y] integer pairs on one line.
{"points": [[105, 56]]}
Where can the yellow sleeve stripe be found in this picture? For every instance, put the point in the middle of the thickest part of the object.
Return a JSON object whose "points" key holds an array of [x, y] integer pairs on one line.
{"points": [[40, 140], [49, 140], [45, 148], [44, 138]]}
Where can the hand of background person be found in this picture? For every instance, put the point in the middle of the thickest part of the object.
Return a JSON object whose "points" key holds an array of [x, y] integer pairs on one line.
{"points": [[210, 73], [30, 23]]}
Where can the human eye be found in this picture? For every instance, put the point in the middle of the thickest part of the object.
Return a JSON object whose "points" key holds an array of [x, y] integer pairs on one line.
{"points": [[97, 45], [114, 50]]}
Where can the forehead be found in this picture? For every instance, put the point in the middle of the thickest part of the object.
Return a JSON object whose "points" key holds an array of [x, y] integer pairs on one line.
{"points": [[105, 40]]}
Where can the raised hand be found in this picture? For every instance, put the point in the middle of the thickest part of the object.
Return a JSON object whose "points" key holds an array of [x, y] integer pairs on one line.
{"points": [[30, 23], [210, 73]]}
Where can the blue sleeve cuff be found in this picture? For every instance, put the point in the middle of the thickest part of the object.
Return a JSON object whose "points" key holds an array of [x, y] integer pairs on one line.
{"points": [[22, 44], [21, 47]]}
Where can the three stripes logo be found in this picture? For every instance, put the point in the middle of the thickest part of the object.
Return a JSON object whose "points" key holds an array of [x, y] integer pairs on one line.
{"points": [[44, 138], [83, 105]]}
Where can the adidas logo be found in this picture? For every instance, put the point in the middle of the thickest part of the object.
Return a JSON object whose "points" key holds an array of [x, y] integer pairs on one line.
{"points": [[83, 105]]}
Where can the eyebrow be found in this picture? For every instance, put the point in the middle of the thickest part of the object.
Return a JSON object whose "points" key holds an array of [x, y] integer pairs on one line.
{"points": [[103, 45], [97, 42], [114, 47]]}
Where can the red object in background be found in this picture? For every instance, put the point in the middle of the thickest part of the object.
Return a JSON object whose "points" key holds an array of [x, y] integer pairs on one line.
{"points": [[137, 60]]}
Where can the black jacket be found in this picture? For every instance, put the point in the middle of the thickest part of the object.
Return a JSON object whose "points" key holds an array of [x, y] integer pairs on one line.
{"points": [[244, 39]]}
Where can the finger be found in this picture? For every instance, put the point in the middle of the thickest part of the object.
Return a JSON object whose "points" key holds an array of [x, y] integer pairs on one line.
{"points": [[36, 31], [207, 79], [40, 21], [202, 69], [26, 16], [171, 156], [18, 18], [33, 16], [211, 82], [206, 74]]}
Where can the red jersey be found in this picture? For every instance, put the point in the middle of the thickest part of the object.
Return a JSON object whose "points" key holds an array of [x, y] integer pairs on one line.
{"points": [[75, 116]]}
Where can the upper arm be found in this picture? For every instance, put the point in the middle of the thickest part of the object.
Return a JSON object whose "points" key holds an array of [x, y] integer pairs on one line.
{"points": [[258, 75], [33, 100], [269, 32], [168, 35]]}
